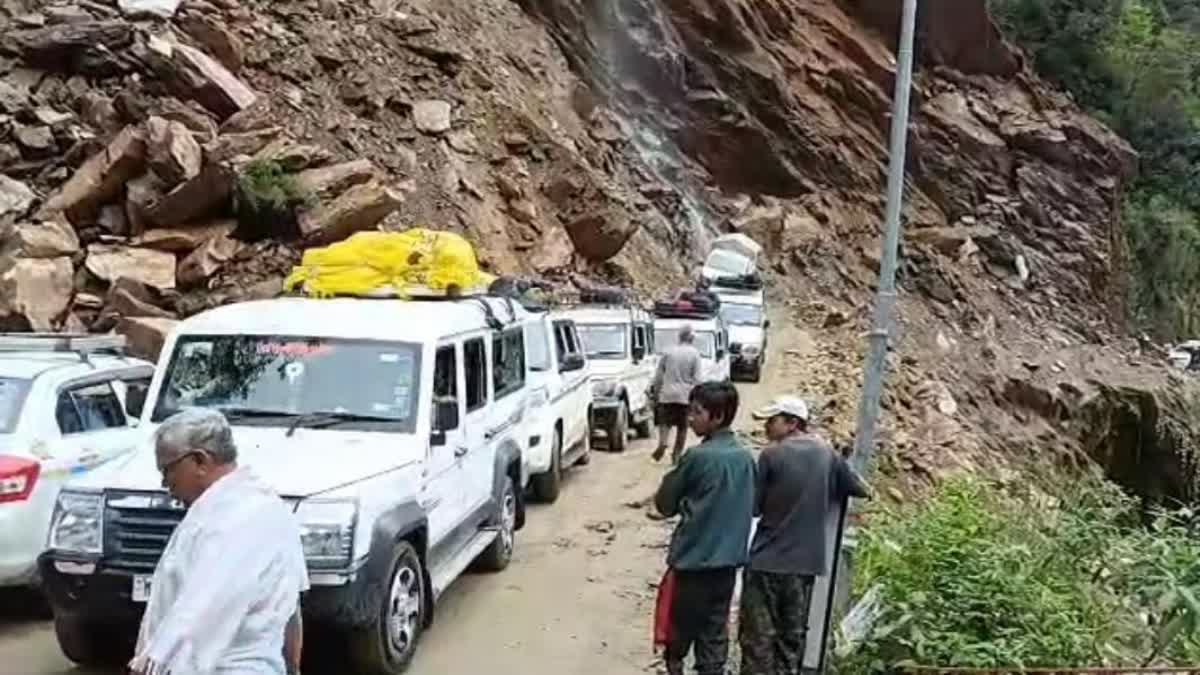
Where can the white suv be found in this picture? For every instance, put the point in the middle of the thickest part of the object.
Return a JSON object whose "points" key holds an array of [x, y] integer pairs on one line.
{"points": [[561, 402], [394, 428], [619, 342], [68, 404]]}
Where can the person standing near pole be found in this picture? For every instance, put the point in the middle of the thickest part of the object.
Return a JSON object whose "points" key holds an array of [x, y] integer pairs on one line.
{"points": [[678, 373], [712, 491], [801, 480]]}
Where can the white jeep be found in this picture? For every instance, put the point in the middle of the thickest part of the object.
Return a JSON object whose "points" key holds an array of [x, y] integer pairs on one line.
{"points": [[561, 402], [394, 428], [619, 342], [68, 405]]}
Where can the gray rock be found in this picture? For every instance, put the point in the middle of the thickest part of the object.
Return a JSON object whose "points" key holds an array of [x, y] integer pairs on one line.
{"points": [[431, 116]]}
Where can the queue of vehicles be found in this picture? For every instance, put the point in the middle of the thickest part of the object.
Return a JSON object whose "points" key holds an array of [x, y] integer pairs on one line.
{"points": [[406, 436]]}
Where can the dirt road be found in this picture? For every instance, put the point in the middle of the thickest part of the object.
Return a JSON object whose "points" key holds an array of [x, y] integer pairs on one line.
{"points": [[576, 600]]}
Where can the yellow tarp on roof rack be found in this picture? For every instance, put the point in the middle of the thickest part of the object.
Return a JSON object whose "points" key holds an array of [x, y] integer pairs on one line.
{"points": [[413, 262]]}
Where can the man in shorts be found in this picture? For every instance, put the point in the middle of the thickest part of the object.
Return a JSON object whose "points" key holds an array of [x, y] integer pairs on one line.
{"points": [[678, 373]]}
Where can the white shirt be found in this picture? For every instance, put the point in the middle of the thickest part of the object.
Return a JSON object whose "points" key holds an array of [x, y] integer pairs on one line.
{"points": [[227, 585]]}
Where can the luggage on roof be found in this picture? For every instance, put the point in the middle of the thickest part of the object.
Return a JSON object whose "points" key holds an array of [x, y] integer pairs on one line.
{"points": [[742, 282], [413, 263], [689, 304]]}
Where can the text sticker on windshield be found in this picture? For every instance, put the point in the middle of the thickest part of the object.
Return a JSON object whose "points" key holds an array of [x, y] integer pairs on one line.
{"points": [[294, 371], [293, 349]]}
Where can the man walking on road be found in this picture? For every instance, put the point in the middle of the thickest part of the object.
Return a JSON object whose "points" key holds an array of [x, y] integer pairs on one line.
{"points": [[225, 597], [678, 373], [712, 490], [801, 480]]}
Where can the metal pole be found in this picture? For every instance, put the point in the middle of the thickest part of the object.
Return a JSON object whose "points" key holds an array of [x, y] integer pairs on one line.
{"points": [[875, 366], [868, 411]]}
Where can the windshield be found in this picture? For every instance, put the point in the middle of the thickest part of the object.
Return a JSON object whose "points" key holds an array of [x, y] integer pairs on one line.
{"points": [[271, 379], [604, 340], [727, 262], [741, 315], [665, 338], [12, 398]]}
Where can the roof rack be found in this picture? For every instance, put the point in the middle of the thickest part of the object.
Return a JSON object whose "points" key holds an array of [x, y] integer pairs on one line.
{"points": [[689, 305], [70, 343]]}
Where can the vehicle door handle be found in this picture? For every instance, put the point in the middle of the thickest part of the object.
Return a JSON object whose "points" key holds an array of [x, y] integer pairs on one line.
{"points": [[460, 451]]}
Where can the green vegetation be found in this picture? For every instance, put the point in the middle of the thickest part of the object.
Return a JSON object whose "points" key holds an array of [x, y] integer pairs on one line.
{"points": [[978, 575], [1136, 65], [266, 199]]}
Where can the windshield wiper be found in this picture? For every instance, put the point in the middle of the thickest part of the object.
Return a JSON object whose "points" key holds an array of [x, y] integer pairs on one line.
{"points": [[318, 420], [244, 413]]}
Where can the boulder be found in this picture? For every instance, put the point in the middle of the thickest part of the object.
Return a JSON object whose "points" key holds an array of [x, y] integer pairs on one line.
{"points": [[247, 143], [163, 9], [185, 239], [600, 235], [127, 297], [145, 335], [37, 290], [336, 178], [172, 152], [43, 239], [12, 99], [112, 220], [361, 207], [196, 119], [194, 74], [431, 116], [200, 265], [36, 141], [101, 177], [142, 194], [79, 46], [216, 39], [15, 198], [195, 199], [152, 268]]}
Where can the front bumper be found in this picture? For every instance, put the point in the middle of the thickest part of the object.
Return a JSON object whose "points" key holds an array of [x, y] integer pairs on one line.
{"points": [[746, 363]]}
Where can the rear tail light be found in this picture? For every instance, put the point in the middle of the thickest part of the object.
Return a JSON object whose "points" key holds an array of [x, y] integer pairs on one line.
{"points": [[17, 478]]}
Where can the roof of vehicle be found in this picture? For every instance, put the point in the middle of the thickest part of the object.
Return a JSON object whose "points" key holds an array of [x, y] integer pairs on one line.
{"points": [[353, 318], [696, 324], [28, 365], [587, 314]]}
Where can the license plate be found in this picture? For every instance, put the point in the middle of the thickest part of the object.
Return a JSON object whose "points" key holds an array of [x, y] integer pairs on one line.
{"points": [[141, 588]]}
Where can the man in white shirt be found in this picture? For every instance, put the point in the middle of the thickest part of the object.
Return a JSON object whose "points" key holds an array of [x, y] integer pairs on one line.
{"points": [[678, 373], [226, 592]]}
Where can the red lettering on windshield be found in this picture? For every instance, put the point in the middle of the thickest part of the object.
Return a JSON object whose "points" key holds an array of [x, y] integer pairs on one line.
{"points": [[293, 349]]}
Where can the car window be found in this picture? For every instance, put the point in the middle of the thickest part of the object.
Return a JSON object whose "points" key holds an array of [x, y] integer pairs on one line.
{"points": [[728, 262], [475, 369], [90, 407], [508, 362], [604, 340], [12, 399], [741, 314], [445, 376], [538, 344]]}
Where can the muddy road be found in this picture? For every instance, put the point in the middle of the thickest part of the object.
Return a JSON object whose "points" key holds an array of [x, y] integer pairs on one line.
{"points": [[576, 600]]}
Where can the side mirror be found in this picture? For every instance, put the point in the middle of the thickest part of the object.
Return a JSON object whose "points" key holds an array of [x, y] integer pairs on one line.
{"points": [[572, 362], [445, 417], [767, 323], [135, 401], [639, 352], [720, 354]]}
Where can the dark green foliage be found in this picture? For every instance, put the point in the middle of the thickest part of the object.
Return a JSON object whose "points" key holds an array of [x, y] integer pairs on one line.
{"points": [[1136, 65], [266, 199], [983, 575]]}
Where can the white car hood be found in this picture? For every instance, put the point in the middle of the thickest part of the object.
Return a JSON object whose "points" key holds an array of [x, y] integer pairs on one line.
{"points": [[746, 335], [601, 369], [310, 462]]}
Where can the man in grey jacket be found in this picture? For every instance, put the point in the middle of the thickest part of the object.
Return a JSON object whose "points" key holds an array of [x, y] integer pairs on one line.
{"points": [[678, 373], [801, 480]]}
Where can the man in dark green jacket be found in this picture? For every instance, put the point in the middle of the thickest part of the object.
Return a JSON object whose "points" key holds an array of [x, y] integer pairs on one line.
{"points": [[712, 490]]}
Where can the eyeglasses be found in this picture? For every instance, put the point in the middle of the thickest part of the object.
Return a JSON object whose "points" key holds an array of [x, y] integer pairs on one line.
{"points": [[166, 469]]}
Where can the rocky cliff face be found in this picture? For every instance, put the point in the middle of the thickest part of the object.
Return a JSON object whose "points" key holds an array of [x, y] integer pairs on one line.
{"points": [[609, 139]]}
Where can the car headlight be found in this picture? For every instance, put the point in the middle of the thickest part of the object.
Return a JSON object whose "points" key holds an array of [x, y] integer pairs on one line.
{"points": [[78, 523], [327, 532]]}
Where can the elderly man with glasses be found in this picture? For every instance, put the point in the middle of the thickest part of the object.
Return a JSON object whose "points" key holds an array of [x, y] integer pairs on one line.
{"points": [[226, 592]]}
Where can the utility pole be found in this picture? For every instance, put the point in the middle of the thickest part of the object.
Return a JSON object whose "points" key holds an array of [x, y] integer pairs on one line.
{"points": [[885, 302]]}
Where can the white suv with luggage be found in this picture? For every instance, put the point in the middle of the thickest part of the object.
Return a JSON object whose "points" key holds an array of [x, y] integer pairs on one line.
{"points": [[68, 405], [619, 342], [561, 403], [395, 429]]}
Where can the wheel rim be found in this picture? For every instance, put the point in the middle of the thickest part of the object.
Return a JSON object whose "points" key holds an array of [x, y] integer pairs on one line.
{"points": [[404, 609], [508, 521]]}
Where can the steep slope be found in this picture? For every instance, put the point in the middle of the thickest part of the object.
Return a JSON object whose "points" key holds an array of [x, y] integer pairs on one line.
{"points": [[607, 139]]}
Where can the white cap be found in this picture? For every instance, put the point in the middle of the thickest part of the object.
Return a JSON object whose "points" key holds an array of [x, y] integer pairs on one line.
{"points": [[784, 405]]}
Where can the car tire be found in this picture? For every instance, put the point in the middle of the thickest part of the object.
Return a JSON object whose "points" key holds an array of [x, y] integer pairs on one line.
{"points": [[387, 645], [756, 374], [618, 432], [548, 484], [91, 645], [497, 556], [645, 428]]}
